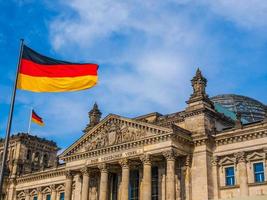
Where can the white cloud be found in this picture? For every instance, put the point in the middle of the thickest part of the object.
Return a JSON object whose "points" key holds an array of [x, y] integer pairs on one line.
{"points": [[246, 13]]}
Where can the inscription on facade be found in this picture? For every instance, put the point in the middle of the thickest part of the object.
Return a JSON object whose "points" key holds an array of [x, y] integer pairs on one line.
{"points": [[115, 156]]}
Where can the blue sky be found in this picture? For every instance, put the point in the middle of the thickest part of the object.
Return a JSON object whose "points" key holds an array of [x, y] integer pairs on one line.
{"points": [[148, 52]]}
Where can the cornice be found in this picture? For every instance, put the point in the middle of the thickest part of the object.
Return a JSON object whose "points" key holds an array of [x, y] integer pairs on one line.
{"points": [[240, 135], [41, 175], [126, 146]]}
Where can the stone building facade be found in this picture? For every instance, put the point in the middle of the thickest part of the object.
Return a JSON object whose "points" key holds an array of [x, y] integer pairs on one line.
{"points": [[195, 154]]}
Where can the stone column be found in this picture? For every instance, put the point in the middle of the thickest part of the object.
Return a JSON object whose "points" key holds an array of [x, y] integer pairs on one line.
{"points": [[78, 186], [187, 177], [54, 192], [39, 193], [243, 177], [85, 184], [103, 182], [68, 185], [170, 174], [215, 181], [146, 177], [27, 194], [125, 179], [12, 189]]}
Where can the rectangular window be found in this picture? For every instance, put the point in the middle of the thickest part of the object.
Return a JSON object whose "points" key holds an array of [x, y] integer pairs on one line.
{"points": [[229, 176], [258, 172], [61, 196], [48, 197], [35, 198], [155, 179]]}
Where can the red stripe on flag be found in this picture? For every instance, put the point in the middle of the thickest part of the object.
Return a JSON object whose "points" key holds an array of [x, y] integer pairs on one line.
{"points": [[36, 117], [62, 70]]}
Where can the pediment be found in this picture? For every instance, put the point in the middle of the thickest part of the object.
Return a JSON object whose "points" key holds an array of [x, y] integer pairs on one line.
{"points": [[227, 161], [256, 156], [113, 130]]}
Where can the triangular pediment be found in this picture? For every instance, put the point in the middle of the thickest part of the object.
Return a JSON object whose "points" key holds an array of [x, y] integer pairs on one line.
{"points": [[227, 160], [113, 130], [256, 156]]}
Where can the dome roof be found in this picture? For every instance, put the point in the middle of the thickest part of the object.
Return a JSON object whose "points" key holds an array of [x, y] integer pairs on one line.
{"points": [[250, 109]]}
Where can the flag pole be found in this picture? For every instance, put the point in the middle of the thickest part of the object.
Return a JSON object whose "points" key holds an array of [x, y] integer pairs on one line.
{"points": [[30, 121], [9, 123]]}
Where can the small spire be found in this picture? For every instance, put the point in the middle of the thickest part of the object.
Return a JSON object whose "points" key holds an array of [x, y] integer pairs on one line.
{"points": [[94, 117], [199, 83]]}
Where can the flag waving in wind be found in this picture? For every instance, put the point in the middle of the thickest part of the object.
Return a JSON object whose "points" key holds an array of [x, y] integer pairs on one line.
{"points": [[37, 119], [39, 73]]}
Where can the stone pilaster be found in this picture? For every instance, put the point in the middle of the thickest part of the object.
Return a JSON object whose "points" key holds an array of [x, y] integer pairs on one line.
{"points": [[53, 193], [68, 185], [103, 182], [85, 184], [170, 172], [78, 186], [187, 175], [125, 179], [12, 189], [215, 180], [146, 177], [243, 177], [27, 194], [39, 193]]}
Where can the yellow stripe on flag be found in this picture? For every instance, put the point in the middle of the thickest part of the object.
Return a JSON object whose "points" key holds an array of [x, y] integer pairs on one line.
{"points": [[37, 122], [48, 84]]}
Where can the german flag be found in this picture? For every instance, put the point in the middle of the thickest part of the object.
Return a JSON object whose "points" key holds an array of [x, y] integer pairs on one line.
{"points": [[40, 73], [36, 119]]}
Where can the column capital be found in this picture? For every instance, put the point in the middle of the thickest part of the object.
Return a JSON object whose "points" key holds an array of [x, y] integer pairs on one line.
{"points": [[85, 171], [103, 167], [169, 154], [69, 174], [146, 159], [240, 156], [124, 163]]}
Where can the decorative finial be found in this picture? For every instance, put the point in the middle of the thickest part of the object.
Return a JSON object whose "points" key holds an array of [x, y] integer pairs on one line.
{"points": [[94, 117], [199, 83]]}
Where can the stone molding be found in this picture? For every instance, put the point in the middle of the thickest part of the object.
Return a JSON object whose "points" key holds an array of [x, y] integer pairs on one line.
{"points": [[214, 160]]}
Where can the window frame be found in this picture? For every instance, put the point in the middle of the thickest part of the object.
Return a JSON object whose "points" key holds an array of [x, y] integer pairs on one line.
{"points": [[232, 177], [261, 172]]}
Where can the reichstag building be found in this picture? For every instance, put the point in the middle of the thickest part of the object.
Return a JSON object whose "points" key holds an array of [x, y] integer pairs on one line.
{"points": [[216, 148]]}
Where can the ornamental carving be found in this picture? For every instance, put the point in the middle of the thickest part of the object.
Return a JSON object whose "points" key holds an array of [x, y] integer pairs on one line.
{"points": [[240, 156], [114, 134], [68, 174], [103, 167], [146, 158], [85, 171], [214, 160], [124, 163], [169, 155]]}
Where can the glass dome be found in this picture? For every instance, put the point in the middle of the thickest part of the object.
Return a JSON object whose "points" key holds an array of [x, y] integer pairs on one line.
{"points": [[251, 110]]}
